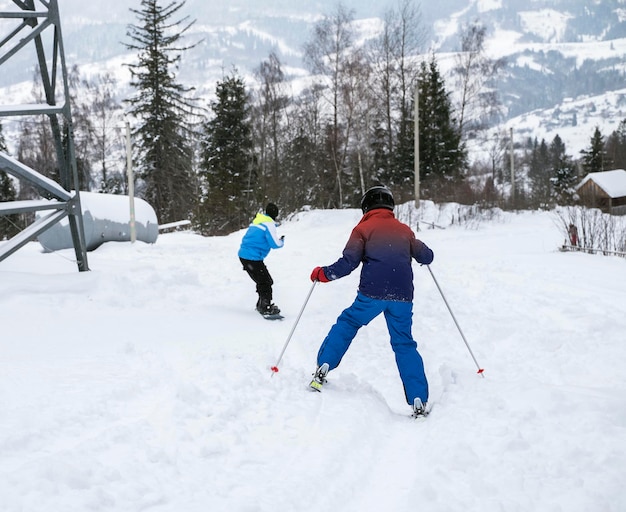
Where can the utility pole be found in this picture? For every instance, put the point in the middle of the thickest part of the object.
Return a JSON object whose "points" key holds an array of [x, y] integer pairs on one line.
{"points": [[512, 172], [131, 184]]}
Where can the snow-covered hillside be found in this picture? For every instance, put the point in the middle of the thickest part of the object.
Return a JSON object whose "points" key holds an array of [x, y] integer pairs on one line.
{"points": [[145, 384], [574, 121], [243, 34]]}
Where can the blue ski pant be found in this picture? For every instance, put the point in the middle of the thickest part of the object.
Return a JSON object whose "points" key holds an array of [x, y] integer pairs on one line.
{"points": [[399, 318]]}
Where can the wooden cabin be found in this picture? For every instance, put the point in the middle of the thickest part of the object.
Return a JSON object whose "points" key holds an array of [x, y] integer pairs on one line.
{"points": [[605, 190]]}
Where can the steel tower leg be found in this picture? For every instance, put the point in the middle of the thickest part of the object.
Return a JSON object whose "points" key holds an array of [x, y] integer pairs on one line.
{"points": [[27, 24]]}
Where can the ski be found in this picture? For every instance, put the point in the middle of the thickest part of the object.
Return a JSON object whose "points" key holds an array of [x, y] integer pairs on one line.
{"points": [[316, 386]]}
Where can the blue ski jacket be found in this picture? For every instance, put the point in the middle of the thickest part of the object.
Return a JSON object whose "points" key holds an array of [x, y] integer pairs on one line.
{"points": [[386, 247], [260, 238]]}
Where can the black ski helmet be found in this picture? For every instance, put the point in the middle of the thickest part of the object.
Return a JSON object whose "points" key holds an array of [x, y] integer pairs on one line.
{"points": [[271, 210], [377, 197]]}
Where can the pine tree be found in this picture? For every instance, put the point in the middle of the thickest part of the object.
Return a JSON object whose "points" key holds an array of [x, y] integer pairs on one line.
{"points": [[226, 161], [540, 173], [163, 138], [442, 156], [301, 158], [402, 173], [563, 171], [3, 143], [7, 193], [616, 147], [595, 157]]}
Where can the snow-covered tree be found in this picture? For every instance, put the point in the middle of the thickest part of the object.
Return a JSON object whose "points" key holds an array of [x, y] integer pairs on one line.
{"points": [[163, 136]]}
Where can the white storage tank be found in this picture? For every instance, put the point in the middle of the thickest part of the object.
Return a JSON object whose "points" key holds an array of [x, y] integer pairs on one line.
{"points": [[106, 218]]}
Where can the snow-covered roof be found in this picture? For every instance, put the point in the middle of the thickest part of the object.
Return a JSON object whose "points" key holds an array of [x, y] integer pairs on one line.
{"points": [[612, 182]]}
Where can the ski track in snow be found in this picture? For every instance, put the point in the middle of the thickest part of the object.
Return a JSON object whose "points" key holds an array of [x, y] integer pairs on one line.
{"points": [[145, 384]]}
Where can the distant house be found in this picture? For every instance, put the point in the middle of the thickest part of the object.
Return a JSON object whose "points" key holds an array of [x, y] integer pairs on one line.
{"points": [[605, 190]]}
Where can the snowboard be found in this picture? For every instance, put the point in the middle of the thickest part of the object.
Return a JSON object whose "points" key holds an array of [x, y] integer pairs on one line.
{"points": [[276, 316]]}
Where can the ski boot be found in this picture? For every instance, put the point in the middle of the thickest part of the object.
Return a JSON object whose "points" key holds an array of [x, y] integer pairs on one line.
{"points": [[419, 409], [319, 377]]}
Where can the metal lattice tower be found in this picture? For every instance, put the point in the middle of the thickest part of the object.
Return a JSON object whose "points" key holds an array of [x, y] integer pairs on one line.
{"points": [[38, 23]]}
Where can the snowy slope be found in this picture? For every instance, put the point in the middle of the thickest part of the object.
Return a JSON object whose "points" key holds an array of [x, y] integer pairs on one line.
{"points": [[145, 384]]}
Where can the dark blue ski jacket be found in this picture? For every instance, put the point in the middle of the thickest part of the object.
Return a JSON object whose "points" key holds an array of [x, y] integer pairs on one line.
{"points": [[386, 247]]}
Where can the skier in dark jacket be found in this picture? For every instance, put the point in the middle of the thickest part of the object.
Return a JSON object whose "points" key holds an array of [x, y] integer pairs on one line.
{"points": [[256, 244], [386, 248]]}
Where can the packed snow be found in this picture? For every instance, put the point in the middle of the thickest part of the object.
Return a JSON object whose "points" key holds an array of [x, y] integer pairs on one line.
{"points": [[145, 383]]}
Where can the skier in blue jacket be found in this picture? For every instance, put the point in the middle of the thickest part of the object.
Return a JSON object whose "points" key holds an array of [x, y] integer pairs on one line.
{"points": [[386, 247], [256, 244]]}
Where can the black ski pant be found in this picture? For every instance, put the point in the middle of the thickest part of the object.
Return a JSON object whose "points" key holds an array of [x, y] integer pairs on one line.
{"points": [[260, 275]]}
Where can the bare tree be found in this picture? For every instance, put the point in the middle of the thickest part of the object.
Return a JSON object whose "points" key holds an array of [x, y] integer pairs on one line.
{"points": [[82, 125], [269, 125], [35, 145], [108, 140], [474, 71], [357, 108], [305, 151], [329, 54], [495, 147], [393, 56]]}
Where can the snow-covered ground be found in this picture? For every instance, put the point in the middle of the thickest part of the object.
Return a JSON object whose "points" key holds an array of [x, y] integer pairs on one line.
{"points": [[145, 384]]}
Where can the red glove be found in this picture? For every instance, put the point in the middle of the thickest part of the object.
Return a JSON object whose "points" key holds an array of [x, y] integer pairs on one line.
{"points": [[318, 275]]}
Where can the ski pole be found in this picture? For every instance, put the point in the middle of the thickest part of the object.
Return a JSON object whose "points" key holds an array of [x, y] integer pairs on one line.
{"points": [[275, 367], [480, 370]]}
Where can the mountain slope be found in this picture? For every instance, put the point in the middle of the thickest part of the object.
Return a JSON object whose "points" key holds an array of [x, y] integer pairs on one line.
{"points": [[557, 51]]}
